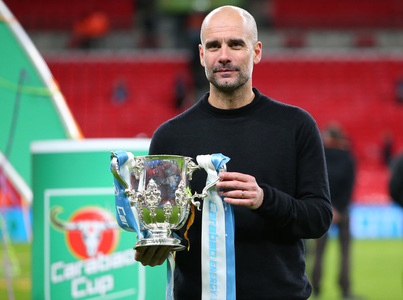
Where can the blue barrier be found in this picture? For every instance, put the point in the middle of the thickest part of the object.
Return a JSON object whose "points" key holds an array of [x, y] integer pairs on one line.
{"points": [[376, 221], [367, 222], [16, 228]]}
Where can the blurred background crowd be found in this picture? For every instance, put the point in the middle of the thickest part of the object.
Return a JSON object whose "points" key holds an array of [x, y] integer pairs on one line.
{"points": [[135, 64]]}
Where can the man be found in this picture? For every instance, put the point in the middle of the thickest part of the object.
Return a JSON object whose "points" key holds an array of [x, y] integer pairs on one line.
{"points": [[341, 172], [276, 179]]}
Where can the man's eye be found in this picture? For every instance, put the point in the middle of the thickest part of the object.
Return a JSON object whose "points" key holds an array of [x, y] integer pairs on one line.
{"points": [[213, 47], [236, 45]]}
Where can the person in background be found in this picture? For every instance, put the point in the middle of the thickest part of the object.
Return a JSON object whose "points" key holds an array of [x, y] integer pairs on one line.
{"points": [[387, 148], [396, 180], [399, 89], [341, 171], [89, 30], [276, 180], [119, 94]]}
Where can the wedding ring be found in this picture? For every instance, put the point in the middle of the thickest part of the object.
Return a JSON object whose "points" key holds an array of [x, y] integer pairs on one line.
{"points": [[242, 194]]}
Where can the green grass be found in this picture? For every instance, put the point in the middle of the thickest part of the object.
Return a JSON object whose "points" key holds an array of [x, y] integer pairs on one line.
{"points": [[377, 270], [21, 272]]}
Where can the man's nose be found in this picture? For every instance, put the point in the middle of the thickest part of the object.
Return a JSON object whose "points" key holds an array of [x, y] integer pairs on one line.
{"points": [[224, 54]]}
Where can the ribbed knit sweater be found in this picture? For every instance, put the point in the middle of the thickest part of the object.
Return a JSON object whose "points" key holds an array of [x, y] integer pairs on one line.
{"points": [[280, 146]]}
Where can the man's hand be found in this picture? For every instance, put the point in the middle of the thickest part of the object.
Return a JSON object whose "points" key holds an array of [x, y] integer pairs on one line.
{"points": [[336, 216], [240, 189], [152, 255]]}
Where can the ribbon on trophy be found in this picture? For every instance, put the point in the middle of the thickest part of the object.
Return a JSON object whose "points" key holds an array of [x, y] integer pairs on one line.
{"points": [[170, 277], [218, 229], [126, 217]]}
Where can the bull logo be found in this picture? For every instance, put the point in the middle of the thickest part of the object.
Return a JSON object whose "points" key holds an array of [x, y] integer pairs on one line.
{"points": [[89, 231]]}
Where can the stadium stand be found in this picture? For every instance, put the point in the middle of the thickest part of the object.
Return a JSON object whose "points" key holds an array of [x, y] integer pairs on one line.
{"points": [[356, 88], [60, 15], [88, 85], [357, 91], [345, 14]]}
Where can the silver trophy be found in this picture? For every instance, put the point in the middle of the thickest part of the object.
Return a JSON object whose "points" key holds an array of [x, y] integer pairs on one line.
{"points": [[159, 194]]}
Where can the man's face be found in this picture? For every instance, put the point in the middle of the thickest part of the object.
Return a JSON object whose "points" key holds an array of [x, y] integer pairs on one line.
{"points": [[227, 52]]}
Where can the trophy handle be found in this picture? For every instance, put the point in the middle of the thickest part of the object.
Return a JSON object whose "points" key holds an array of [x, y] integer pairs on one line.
{"points": [[207, 187], [191, 167], [138, 167], [115, 171]]}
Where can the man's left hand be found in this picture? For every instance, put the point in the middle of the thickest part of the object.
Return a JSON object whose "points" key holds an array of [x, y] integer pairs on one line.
{"points": [[240, 189]]}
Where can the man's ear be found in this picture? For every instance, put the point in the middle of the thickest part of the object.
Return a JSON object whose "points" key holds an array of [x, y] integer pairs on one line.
{"points": [[201, 54], [257, 49]]}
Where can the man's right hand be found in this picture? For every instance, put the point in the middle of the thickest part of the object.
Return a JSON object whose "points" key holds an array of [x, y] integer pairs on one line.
{"points": [[152, 255]]}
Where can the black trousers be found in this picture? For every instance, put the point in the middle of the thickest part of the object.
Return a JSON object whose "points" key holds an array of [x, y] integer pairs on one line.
{"points": [[344, 242]]}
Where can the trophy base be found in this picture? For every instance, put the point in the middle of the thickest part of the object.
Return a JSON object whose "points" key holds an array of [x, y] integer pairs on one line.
{"points": [[168, 242]]}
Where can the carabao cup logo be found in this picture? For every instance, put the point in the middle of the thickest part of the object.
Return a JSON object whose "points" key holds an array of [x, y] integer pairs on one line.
{"points": [[89, 231]]}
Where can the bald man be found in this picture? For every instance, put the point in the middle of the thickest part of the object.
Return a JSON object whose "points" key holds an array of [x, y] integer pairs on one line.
{"points": [[276, 179]]}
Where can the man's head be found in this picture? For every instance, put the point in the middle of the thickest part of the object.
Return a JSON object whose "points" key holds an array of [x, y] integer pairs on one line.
{"points": [[229, 48], [232, 11], [333, 137]]}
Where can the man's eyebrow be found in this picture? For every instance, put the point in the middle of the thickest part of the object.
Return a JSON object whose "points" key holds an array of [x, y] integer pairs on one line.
{"points": [[215, 43], [212, 43], [237, 41]]}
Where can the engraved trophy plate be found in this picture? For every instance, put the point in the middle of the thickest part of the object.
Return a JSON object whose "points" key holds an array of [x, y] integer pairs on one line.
{"points": [[159, 194]]}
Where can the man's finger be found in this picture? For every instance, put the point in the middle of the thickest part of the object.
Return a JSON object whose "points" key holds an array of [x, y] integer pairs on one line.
{"points": [[234, 176]]}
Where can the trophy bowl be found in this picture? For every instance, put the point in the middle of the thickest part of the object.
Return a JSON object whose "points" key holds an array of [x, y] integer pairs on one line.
{"points": [[160, 196]]}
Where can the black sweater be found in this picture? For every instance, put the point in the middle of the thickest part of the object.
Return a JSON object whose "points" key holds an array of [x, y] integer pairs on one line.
{"points": [[280, 146]]}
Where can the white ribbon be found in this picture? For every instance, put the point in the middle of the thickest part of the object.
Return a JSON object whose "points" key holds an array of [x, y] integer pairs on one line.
{"points": [[215, 242], [170, 277]]}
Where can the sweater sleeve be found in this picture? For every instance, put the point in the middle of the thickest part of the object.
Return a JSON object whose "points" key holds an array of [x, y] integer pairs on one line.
{"points": [[307, 213]]}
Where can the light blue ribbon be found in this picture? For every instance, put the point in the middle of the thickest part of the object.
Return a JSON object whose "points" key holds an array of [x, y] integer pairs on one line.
{"points": [[170, 277], [218, 161], [218, 253], [124, 214]]}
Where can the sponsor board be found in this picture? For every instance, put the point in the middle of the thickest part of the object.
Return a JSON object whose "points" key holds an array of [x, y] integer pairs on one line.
{"points": [[90, 262], [79, 251]]}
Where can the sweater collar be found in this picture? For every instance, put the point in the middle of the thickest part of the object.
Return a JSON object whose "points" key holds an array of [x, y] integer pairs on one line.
{"points": [[205, 105]]}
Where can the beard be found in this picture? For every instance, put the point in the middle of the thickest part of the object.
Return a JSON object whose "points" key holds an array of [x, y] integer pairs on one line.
{"points": [[227, 85]]}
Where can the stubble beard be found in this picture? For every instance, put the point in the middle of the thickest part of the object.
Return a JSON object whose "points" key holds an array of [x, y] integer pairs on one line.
{"points": [[227, 85]]}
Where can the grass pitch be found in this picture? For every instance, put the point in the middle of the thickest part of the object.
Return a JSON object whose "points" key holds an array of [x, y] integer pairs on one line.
{"points": [[377, 270]]}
